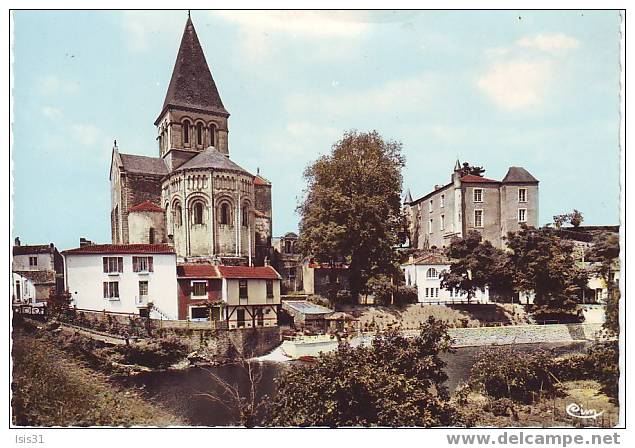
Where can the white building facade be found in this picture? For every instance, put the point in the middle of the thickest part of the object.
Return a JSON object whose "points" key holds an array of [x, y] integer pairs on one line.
{"points": [[424, 273], [123, 278]]}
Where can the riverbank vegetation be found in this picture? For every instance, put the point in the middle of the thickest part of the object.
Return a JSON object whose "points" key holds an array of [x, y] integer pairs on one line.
{"points": [[51, 388]]}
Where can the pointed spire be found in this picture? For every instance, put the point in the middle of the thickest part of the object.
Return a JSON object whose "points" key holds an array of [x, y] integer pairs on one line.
{"points": [[192, 85], [457, 165], [408, 197]]}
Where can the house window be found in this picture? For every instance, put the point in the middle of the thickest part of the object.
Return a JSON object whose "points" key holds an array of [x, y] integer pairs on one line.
{"points": [[143, 288], [436, 292], [270, 289], [198, 213], [522, 215], [442, 223], [430, 205], [478, 218], [242, 289], [142, 264], [287, 247], [427, 292], [291, 273], [432, 273], [151, 236], [111, 290], [224, 213], [199, 134], [113, 264], [240, 318], [199, 312], [32, 261], [260, 317], [430, 223], [199, 289], [522, 195], [186, 131], [478, 195], [442, 201]]}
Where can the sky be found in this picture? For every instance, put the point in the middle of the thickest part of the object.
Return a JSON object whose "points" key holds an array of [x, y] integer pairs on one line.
{"points": [[538, 89]]}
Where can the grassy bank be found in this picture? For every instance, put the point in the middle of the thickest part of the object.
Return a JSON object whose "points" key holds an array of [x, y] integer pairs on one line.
{"points": [[50, 388]]}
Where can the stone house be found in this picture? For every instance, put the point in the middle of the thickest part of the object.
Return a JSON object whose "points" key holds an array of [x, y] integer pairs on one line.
{"points": [[470, 202], [287, 261], [316, 277], [123, 278], [24, 291], [212, 208], [42, 265], [233, 296], [424, 273]]}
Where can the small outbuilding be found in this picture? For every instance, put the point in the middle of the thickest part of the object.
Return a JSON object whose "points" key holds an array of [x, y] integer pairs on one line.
{"points": [[307, 314]]}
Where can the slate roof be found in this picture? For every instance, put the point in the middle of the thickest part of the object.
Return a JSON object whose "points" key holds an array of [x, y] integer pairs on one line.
{"points": [[146, 206], [192, 85], [39, 277], [212, 158], [246, 272], [117, 249], [197, 271], [518, 174], [471, 178], [31, 250], [143, 164]]}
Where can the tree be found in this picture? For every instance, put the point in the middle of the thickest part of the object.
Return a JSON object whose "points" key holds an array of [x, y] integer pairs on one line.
{"points": [[475, 265], [574, 218], [352, 208], [545, 265], [473, 170], [394, 382], [603, 253]]}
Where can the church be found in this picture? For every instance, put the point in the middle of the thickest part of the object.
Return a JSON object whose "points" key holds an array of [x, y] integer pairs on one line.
{"points": [[192, 196]]}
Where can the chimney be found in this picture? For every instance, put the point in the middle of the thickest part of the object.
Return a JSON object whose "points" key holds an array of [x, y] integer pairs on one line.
{"points": [[17, 240], [83, 242], [436, 187]]}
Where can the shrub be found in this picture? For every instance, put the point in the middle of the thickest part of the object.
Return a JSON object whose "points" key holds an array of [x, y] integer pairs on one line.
{"points": [[503, 372], [559, 315], [387, 292], [501, 407], [160, 353]]}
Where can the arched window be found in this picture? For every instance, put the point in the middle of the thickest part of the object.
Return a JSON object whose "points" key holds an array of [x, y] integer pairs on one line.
{"points": [[212, 136], [245, 217], [186, 131], [224, 213], [178, 215], [199, 134], [198, 213], [432, 273]]}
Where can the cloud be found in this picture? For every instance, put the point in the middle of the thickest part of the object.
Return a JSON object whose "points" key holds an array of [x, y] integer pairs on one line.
{"points": [[144, 27], [51, 85], [404, 95], [517, 85], [554, 42], [51, 112], [260, 31]]}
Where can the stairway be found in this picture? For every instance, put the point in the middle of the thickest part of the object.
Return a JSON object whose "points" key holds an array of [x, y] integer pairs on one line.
{"points": [[162, 314]]}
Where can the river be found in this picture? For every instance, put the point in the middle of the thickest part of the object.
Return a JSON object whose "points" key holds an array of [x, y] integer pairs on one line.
{"points": [[183, 392]]}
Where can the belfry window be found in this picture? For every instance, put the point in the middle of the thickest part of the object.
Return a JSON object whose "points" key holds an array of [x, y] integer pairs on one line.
{"points": [[212, 136], [186, 131], [199, 134], [224, 213], [198, 213]]}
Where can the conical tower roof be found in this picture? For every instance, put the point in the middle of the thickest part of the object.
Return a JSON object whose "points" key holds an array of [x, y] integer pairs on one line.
{"points": [[192, 85]]}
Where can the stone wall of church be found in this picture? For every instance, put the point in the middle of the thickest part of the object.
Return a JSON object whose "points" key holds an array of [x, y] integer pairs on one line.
{"points": [[146, 227], [176, 118], [135, 189], [262, 195]]}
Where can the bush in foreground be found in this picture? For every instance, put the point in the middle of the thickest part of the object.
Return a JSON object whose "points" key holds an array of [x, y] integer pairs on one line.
{"points": [[393, 382], [157, 354]]}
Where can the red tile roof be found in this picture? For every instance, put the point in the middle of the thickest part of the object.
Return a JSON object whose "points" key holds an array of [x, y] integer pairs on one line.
{"points": [[432, 259], [121, 249], [477, 179], [146, 206], [259, 180], [198, 270], [258, 272], [260, 214]]}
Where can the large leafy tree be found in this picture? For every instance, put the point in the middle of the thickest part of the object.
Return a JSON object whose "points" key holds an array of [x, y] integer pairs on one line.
{"points": [[476, 264], [395, 381], [545, 264], [352, 208]]}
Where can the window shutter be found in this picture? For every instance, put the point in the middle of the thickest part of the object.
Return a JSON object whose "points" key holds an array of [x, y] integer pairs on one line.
{"points": [[120, 263], [150, 266], [135, 264], [105, 260], [105, 290]]}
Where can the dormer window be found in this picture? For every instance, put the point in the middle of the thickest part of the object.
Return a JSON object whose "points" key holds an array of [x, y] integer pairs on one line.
{"points": [[186, 131]]}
